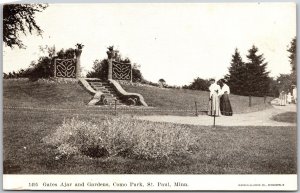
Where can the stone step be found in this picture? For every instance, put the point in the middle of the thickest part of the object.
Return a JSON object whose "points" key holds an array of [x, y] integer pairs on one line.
{"points": [[109, 93], [105, 90], [98, 87], [99, 84], [111, 89], [94, 80], [112, 102], [104, 85], [102, 88]]}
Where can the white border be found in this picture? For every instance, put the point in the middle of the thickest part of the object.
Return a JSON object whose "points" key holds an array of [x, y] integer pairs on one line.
{"points": [[152, 182]]}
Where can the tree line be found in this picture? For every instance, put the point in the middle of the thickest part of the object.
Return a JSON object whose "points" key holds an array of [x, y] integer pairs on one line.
{"points": [[251, 78], [248, 78]]}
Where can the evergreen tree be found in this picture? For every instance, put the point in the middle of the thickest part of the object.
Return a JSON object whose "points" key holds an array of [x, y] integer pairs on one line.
{"points": [[257, 81], [293, 57], [237, 74]]}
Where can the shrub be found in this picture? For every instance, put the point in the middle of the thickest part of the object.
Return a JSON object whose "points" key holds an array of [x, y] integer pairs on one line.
{"points": [[198, 84], [122, 136]]}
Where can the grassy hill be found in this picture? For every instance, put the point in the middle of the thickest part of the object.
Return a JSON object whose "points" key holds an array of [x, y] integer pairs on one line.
{"points": [[70, 95], [185, 99], [44, 94]]}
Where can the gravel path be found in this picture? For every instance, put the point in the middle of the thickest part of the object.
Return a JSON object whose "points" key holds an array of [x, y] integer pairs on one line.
{"points": [[260, 118]]}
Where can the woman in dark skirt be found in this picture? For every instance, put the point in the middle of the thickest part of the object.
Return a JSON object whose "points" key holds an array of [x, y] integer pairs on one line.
{"points": [[225, 105]]}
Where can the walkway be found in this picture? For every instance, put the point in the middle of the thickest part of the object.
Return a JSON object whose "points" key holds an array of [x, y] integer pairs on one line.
{"points": [[260, 118]]}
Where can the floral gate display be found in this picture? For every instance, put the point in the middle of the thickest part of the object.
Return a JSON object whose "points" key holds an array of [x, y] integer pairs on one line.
{"points": [[118, 70], [121, 71], [69, 68], [65, 68]]}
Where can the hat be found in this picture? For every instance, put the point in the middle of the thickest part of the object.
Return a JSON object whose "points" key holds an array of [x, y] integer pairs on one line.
{"points": [[223, 80]]}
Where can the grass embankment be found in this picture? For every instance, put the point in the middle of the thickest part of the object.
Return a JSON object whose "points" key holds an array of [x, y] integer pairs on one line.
{"points": [[185, 99], [225, 150], [44, 94]]}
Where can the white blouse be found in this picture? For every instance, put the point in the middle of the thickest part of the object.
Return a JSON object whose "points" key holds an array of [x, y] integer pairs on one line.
{"points": [[214, 88], [224, 89]]}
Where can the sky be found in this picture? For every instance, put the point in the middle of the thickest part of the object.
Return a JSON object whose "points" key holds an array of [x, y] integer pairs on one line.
{"points": [[174, 41]]}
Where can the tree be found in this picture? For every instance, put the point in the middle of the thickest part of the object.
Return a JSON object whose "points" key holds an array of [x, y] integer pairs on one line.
{"points": [[257, 78], [251, 78], [100, 68], [198, 84], [136, 73], [44, 66], [19, 18], [293, 56], [162, 82], [273, 87], [237, 74], [284, 83]]}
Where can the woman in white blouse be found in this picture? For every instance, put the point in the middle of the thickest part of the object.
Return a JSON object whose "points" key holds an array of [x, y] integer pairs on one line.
{"points": [[214, 101], [225, 106]]}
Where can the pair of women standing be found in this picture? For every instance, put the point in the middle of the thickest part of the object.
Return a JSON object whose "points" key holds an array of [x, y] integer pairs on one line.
{"points": [[219, 103]]}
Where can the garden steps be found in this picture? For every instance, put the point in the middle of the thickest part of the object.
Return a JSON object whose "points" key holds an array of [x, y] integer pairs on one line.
{"points": [[110, 95]]}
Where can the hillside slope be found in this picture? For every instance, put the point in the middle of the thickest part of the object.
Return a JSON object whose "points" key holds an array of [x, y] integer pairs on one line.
{"points": [[185, 99], [67, 95], [44, 94]]}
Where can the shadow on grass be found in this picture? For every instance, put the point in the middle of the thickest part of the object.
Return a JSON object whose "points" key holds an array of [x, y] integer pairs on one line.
{"points": [[289, 117]]}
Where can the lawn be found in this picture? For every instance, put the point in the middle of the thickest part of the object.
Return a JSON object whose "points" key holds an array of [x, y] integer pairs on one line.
{"points": [[224, 150], [290, 117], [185, 99], [44, 94]]}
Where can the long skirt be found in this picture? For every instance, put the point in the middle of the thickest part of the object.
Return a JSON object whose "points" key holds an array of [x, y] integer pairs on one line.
{"points": [[282, 99], [214, 105], [225, 105]]}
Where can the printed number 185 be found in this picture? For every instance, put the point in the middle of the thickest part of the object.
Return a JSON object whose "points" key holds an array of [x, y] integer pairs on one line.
{"points": [[34, 184]]}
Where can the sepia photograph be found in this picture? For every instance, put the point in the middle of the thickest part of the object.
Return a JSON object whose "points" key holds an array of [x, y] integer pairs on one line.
{"points": [[149, 96]]}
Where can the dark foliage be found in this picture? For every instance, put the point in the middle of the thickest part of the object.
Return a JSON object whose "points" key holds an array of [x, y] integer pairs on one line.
{"points": [[284, 83], [257, 78], [44, 67], [20, 18], [198, 84], [66, 54], [136, 74], [273, 88], [293, 59], [251, 78], [100, 69], [19, 74], [237, 74]]}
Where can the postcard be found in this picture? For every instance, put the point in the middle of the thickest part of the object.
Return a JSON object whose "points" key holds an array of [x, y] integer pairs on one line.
{"points": [[150, 96]]}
